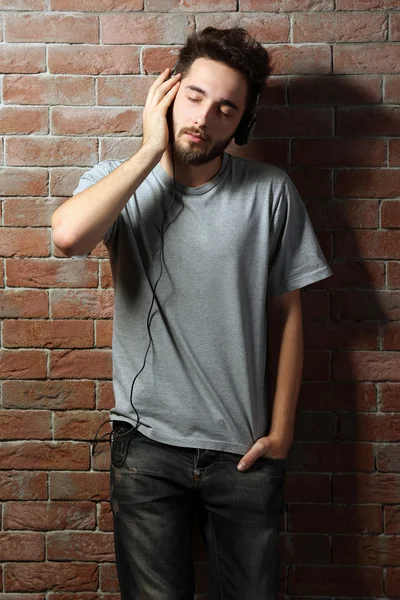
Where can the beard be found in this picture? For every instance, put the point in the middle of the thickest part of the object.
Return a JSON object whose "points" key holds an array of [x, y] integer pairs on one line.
{"points": [[190, 153]]}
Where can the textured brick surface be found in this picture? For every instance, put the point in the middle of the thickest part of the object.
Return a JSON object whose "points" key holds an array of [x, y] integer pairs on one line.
{"points": [[75, 78]]}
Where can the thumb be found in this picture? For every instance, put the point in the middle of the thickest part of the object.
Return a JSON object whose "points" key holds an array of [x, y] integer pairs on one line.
{"points": [[258, 449]]}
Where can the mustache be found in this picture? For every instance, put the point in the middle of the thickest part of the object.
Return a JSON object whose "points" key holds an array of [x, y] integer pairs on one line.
{"points": [[196, 132]]}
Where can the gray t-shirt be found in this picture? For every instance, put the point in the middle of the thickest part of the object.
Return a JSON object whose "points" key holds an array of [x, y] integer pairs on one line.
{"points": [[228, 244]]}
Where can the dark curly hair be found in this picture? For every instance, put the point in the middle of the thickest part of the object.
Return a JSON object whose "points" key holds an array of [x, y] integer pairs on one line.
{"points": [[234, 47]]}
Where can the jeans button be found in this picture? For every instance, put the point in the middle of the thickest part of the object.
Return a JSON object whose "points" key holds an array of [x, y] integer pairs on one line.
{"points": [[197, 472]]}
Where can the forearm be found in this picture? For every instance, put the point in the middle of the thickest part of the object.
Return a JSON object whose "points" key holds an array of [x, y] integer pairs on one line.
{"points": [[82, 220], [285, 364]]}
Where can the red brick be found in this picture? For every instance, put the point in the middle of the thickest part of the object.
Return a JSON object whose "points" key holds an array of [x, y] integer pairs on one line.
{"points": [[1, 273], [342, 336], [312, 184], [363, 488], [309, 549], [338, 396], [335, 89], [79, 486], [315, 427], [22, 485], [29, 212], [330, 457], [45, 516], [48, 151], [393, 275], [366, 550], [315, 305], [392, 520], [307, 487], [124, 90], [366, 58], [145, 29], [316, 366], [96, 121], [53, 395], [285, 5], [84, 304], [52, 273], [371, 120], [21, 546], [101, 458], [339, 27], [63, 181], [80, 364], [108, 578], [369, 427], [79, 424], [119, 148], [23, 597], [361, 274], [365, 4], [391, 90], [389, 394], [388, 455], [23, 5], [357, 582], [48, 89], [15, 119], [368, 183], [24, 242], [390, 214], [105, 395], [272, 151], [24, 182], [318, 518], [365, 305], [15, 59], [395, 27], [97, 5], [155, 60], [394, 152], [26, 424], [23, 364], [301, 58], [82, 596], [106, 280], [44, 455], [200, 6], [391, 336], [392, 583], [93, 60], [105, 519], [338, 152], [81, 546], [104, 334], [29, 577], [47, 334], [66, 29], [293, 121], [376, 366], [24, 304]]}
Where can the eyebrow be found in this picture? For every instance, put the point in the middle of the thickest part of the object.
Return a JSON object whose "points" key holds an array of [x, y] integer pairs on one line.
{"points": [[225, 101]]}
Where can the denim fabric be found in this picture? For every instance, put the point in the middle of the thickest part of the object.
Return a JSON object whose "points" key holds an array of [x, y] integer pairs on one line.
{"points": [[155, 489]]}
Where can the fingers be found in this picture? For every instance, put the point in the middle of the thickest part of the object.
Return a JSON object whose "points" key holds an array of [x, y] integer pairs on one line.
{"points": [[162, 85], [169, 96]]}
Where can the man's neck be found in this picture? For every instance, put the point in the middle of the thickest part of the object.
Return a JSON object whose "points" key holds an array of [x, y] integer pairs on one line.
{"points": [[189, 175]]}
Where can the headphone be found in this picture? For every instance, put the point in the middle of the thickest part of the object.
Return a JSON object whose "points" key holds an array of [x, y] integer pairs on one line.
{"points": [[120, 448]]}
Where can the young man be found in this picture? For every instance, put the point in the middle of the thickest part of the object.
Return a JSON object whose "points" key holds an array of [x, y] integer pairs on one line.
{"points": [[233, 244]]}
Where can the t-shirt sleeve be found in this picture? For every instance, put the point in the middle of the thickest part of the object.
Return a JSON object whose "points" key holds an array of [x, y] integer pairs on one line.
{"points": [[89, 178], [295, 258]]}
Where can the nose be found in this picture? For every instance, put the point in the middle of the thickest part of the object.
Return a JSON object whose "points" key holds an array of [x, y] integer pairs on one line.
{"points": [[202, 115]]}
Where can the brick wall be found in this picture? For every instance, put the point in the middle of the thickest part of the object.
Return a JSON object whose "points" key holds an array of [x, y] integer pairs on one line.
{"points": [[75, 78]]}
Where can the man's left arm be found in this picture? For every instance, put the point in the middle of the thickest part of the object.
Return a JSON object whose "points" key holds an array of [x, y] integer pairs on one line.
{"points": [[285, 366]]}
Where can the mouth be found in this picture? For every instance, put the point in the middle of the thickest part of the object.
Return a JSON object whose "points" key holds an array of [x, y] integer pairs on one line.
{"points": [[194, 138]]}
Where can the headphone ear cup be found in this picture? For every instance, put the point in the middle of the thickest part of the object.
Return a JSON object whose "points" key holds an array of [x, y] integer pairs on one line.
{"points": [[243, 130]]}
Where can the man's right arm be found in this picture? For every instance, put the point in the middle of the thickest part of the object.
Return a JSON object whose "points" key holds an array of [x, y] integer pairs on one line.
{"points": [[83, 220]]}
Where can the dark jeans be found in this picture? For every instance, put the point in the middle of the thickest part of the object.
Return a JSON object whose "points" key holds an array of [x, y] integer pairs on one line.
{"points": [[153, 496]]}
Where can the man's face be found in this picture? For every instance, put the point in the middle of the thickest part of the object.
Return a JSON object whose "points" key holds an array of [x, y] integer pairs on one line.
{"points": [[207, 110]]}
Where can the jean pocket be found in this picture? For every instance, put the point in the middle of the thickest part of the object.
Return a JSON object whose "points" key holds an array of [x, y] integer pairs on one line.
{"points": [[120, 441]]}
